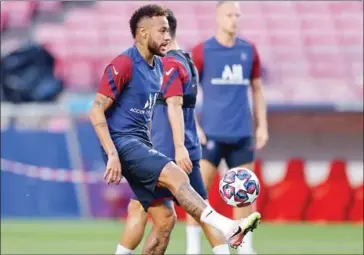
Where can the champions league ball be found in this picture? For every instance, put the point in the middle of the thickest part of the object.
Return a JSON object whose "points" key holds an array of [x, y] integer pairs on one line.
{"points": [[239, 187]]}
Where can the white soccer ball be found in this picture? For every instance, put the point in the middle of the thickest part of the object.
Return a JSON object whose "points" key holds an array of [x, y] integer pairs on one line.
{"points": [[239, 187]]}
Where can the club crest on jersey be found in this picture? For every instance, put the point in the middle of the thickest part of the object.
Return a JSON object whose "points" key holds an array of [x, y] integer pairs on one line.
{"points": [[231, 75], [243, 56]]}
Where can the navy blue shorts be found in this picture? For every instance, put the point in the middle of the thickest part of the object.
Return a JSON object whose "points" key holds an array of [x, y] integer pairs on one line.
{"points": [[235, 154], [141, 167], [195, 181]]}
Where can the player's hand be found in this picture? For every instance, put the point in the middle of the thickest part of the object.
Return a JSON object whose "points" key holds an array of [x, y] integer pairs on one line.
{"points": [[183, 159], [113, 169], [201, 135], [261, 137]]}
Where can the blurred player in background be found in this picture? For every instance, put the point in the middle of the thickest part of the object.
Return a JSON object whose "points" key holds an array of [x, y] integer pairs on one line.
{"points": [[174, 134], [227, 66], [121, 115]]}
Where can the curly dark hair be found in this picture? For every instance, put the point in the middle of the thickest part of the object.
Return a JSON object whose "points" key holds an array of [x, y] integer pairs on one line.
{"points": [[172, 21], [150, 10]]}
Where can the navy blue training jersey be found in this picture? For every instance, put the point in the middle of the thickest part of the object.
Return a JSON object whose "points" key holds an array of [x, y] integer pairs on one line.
{"points": [[134, 85], [179, 80], [225, 75]]}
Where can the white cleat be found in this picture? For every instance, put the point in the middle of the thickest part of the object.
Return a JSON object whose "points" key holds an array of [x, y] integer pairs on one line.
{"points": [[245, 226]]}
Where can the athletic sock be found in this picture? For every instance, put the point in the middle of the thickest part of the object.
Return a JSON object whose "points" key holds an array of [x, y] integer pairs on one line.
{"points": [[218, 221], [221, 249], [193, 239], [247, 246], [121, 250]]}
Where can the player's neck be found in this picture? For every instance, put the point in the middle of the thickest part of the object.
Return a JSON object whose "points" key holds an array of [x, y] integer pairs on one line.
{"points": [[146, 54], [227, 40]]}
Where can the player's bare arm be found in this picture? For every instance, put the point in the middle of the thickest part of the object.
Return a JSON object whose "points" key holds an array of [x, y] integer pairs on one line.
{"points": [[201, 134], [116, 75], [175, 116], [98, 120], [260, 113]]}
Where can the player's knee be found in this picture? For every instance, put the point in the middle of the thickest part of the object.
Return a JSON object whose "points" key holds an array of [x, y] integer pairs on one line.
{"points": [[136, 214], [167, 222]]}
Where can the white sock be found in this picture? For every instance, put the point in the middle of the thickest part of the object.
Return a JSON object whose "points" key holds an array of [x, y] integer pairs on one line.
{"points": [[221, 223], [121, 250], [247, 246], [221, 249], [193, 239]]}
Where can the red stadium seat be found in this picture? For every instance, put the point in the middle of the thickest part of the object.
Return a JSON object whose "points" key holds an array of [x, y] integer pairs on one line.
{"points": [[312, 8], [49, 6], [356, 209], [342, 7], [79, 73], [284, 29], [4, 18], [19, 12], [330, 199], [289, 197], [277, 7], [263, 195]]}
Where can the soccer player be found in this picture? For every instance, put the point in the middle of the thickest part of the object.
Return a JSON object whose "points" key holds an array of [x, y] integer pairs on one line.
{"points": [[227, 66], [121, 115], [174, 134]]}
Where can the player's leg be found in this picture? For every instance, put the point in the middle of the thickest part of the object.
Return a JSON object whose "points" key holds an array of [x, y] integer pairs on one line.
{"points": [[242, 155], [215, 238], [176, 180], [211, 157], [141, 167], [243, 211], [164, 219], [144, 168], [134, 228]]}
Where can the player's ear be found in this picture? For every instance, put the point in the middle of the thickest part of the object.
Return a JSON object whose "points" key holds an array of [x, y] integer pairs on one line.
{"points": [[143, 32]]}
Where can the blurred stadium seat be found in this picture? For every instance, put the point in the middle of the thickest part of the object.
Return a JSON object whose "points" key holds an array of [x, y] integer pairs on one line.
{"points": [[52, 7], [263, 195], [289, 197], [356, 209], [334, 193], [312, 35]]}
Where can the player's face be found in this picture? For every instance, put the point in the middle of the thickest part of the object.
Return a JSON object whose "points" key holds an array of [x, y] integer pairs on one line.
{"points": [[158, 36], [228, 16]]}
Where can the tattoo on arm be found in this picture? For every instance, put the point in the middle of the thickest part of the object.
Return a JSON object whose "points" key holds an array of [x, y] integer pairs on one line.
{"points": [[113, 153], [101, 125]]}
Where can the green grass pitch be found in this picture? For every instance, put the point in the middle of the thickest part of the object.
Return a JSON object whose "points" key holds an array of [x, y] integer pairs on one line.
{"points": [[101, 237]]}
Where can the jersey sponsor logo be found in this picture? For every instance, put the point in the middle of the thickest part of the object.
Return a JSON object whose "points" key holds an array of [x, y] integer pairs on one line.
{"points": [[149, 105], [151, 101], [231, 75]]}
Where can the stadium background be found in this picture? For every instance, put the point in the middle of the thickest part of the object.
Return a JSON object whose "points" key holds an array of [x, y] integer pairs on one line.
{"points": [[311, 169]]}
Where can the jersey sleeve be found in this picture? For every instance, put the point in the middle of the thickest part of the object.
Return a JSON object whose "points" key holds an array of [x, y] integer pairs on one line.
{"points": [[256, 69], [175, 76], [197, 57], [116, 76]]}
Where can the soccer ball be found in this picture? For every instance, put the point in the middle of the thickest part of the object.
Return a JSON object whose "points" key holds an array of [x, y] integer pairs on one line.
{"points": [[239, 187]]}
